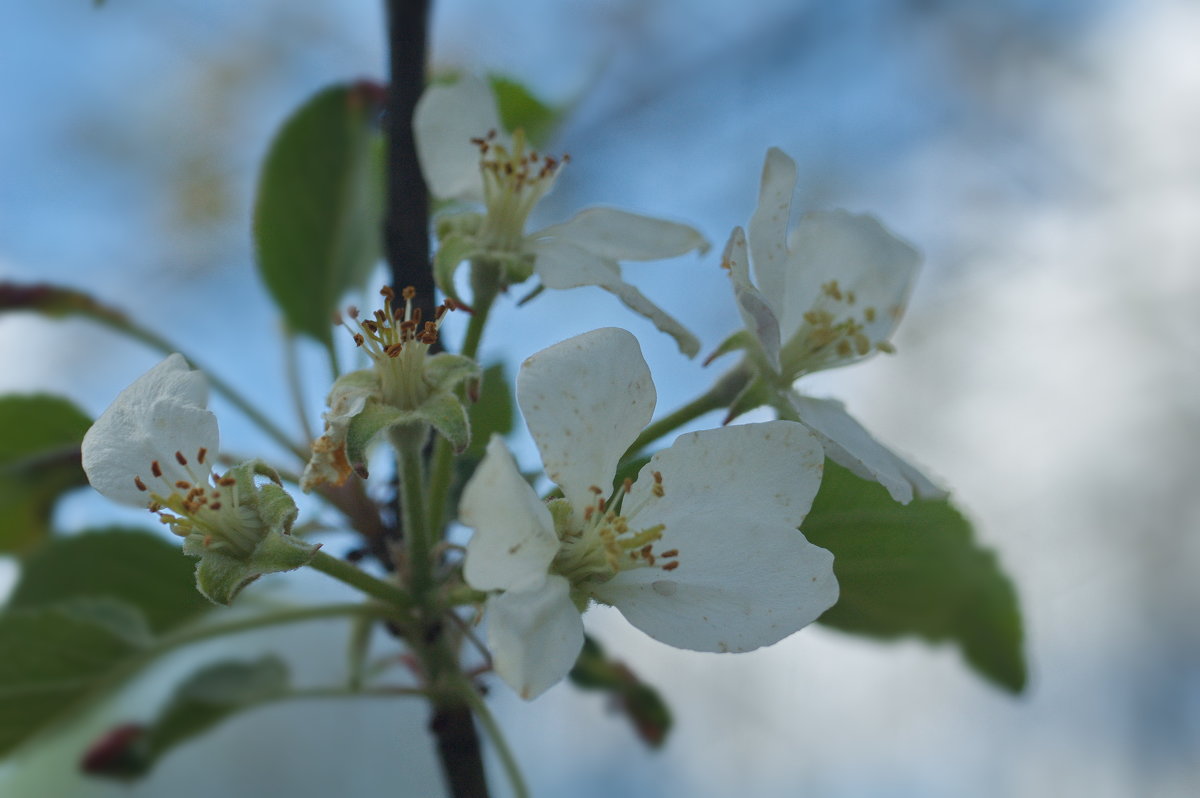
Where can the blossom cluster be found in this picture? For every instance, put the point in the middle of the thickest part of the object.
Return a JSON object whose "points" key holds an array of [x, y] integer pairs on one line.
{"points": [[701, 547]]}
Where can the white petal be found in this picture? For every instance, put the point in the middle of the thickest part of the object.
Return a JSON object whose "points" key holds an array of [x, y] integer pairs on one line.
{"points": [[848, 444], [863, 257], [561, 264], [585, 400], [514, 540], [160, 414], [620, 235], [347, 398], [535, 636], [769, 471], [769, 224], [444, 122], [756, 311], [746, 576]]}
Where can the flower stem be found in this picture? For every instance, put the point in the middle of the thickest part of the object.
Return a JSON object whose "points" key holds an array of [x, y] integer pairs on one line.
{"points": [[415, 525], [721, 394], [441, 470], [361, 580], [496, 735], [289, 616]]}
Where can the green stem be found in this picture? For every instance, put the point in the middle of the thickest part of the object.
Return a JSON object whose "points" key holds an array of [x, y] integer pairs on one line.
{"points": [[199, 634], [511, 768], [342, 692], [228, 391], [334, 367], [441, 470], [292, 369], [415, 528], [721, 394], [361, 580]]}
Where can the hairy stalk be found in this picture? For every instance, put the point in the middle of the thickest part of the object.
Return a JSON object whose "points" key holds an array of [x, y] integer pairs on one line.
{"points": [[361, 580], [720, 395], [442, 467], [511, 768]]}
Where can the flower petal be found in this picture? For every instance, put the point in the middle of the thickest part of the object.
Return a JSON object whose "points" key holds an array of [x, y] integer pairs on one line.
{"points": [[620, 235], [535, 636], [770, 471], [848, 443], [868, 263], [756, 311], [514, 540], [444, 122], [347, 398], [561, 264], [746, 576], [585, 400], [769, 225], [161, 413]]}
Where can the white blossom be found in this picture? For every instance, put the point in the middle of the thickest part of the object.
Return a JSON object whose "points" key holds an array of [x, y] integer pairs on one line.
{"points": [[154, 448], [465, 156], [827, 294], [701, 551]]}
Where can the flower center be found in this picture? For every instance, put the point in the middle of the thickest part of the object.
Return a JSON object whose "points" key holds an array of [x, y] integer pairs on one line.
{"points": [[513, 182], [833, 329], [398, 345], [202, 505], [610, 542]]}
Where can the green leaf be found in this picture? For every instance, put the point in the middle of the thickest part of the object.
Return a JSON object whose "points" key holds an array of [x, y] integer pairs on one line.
{"points": [[916, 569], [520, 109], [492, 411], [204, 700], [39, 460], [638, 701], [55, 660], [136, 567], [318, 214]]}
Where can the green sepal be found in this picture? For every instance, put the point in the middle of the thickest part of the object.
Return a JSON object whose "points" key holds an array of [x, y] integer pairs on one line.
{"points": [[445, 413], [515, 268], [228, 564], [221, 577], [740, 340], [442, 410], [364, 427], [445, 372], [454, 249]]}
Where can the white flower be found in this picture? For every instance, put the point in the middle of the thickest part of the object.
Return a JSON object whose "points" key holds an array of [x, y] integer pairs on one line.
{"points": [[828, 294], [153, 448], [465, 157], [155, 437], [701, 552]]}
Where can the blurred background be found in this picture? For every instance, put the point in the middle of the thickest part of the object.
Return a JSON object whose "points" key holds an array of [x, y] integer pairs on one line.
{"points": [[1043, 157]]}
